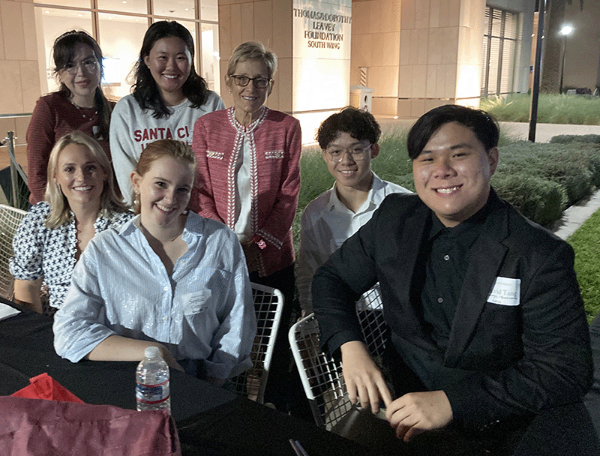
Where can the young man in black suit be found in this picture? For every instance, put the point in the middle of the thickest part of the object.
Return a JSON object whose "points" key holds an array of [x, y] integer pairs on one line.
{"points": [[488, 336]]}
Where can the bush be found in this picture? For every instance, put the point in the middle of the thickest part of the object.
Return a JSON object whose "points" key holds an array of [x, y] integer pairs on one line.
{"points": [[537, 199], [569, 139]]}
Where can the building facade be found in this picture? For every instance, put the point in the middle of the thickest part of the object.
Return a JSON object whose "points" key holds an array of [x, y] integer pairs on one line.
{"points": [[414, 54]]}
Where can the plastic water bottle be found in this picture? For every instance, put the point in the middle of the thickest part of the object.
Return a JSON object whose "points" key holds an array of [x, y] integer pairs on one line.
{"points": [[152, 389]]}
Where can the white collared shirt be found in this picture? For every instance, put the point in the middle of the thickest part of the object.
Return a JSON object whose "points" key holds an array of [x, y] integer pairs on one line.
{"points": [[326, 223], [203, 310]]}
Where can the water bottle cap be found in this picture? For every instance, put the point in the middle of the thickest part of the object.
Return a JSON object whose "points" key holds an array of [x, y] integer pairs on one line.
{"points": [[152, 352]]}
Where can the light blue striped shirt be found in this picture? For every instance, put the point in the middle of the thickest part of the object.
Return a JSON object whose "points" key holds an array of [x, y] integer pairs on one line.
{"points": [[203, 311]]}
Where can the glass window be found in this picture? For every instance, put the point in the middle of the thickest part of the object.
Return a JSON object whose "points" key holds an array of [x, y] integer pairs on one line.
{"points": [[51, 23], [210, 57], [175, 8], [126, 6], [209, 10], [85, 4], [120, 50]]}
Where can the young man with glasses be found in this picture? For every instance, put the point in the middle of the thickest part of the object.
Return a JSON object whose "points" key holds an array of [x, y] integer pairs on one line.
{"points": [[348, 141]]}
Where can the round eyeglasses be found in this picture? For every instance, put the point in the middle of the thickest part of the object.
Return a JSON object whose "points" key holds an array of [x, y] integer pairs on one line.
{"points": [[88, 65], [243, 81], [356, 153]]}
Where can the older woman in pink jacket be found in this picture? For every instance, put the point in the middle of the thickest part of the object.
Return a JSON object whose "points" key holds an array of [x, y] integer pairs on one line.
{"points": [[249, 176]]}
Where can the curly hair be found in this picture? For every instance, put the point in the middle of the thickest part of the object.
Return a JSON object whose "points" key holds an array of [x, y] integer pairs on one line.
{"points": [[110, 203], [145, 90], [62, 54]]}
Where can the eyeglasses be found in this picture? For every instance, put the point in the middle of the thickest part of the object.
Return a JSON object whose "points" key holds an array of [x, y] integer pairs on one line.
{"points": [[243, 81], [357, 153], [89, 65]]}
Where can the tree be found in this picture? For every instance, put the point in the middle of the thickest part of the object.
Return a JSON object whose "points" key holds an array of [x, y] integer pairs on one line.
{"points": [[555, 16]]}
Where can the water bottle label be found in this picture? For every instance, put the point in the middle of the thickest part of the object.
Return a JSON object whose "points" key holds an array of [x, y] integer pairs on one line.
{"points": [[152, 394]]}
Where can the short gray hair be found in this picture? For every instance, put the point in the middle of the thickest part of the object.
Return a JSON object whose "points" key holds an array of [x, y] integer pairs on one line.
{"points": [[252, 50]]}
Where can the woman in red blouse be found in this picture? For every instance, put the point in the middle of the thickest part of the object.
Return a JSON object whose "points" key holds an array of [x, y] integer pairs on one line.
{"points": [[79, 104]]}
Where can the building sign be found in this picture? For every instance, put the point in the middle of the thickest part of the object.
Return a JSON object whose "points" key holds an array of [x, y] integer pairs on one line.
{"points": [[321, 25], [321, 46]]}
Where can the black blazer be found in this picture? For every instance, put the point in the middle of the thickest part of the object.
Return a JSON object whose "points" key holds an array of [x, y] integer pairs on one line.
{"points": [[501, 360]]}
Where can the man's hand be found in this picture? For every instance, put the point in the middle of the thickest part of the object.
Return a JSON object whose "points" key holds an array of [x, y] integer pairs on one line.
{"points": [[363, 378], [415, 413]]}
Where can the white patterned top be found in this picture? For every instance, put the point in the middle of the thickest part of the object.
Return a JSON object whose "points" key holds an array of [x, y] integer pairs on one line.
{"points": [[45, 253]]}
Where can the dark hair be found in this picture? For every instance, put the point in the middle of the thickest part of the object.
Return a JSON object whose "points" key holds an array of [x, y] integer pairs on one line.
{"points": [[479, 122], [177, 150], [62, 54], [145, 90], [358, 124]]}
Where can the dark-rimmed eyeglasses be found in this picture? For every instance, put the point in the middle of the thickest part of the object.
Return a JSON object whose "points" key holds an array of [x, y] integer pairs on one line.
{"points": [[243, 81], [88, 65], [357, 153]]}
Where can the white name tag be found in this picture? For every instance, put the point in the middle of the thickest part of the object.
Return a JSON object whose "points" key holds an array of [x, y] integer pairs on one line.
{"points": [[506, 292], [196, 302]]}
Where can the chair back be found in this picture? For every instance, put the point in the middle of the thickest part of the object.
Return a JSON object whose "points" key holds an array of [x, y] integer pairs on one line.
{"points": [[268, 305], [321, 375], [10, 219]]}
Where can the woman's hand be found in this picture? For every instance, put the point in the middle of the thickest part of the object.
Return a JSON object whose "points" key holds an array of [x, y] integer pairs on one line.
{"points": [[28, 294]]}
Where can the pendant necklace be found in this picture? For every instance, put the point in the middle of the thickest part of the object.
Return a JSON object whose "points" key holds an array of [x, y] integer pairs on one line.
{"points": [[80, 109]]}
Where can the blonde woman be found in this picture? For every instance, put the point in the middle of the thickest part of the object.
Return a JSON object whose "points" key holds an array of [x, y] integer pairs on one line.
{"points": [[80, 201], [168, 278]]}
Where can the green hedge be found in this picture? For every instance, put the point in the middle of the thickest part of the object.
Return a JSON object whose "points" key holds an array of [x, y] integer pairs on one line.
{"points": [[539, 179]]}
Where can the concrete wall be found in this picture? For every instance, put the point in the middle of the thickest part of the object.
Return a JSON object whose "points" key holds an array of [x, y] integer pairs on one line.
{"points": [[583, 45]]}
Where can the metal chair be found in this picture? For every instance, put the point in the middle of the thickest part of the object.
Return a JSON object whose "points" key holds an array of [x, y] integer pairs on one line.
{"points": [[10, 219], [321, 375], [268, 305]]}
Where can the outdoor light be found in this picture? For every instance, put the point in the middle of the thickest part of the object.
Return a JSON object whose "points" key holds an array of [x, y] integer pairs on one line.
{"points": [[565, 32]]}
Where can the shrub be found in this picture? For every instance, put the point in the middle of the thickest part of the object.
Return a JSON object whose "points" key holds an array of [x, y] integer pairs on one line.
{"points": [[568, 139], [537, 199]]}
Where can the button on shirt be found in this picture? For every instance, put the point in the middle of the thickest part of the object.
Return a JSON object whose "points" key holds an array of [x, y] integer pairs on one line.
{"points": [[326, 223], [445, 271], [203, 311]]}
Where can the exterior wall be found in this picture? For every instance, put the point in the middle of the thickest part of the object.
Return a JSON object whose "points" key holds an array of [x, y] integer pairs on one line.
{"points": [[267, 21], [376, 46], [20, 86], [440, 54], [310, 83], [583, 45]]}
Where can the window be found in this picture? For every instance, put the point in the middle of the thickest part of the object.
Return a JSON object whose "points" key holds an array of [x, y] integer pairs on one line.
{"points": [[501, 33], [119, 27]]}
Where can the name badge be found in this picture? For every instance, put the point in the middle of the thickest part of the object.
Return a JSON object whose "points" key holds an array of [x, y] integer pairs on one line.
{"points": [[506, 292], [196, 302]]}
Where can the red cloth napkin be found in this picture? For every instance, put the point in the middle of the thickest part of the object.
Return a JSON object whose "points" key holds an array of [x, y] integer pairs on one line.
{"points": [[45, 387]]}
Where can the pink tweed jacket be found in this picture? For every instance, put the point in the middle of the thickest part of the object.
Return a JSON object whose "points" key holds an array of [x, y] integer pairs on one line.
{"points": [[275, 142]]}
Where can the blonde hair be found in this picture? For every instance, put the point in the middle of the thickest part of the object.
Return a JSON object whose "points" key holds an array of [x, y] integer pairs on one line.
{"points": [[59, 205], [178, 150], [252, 50]]}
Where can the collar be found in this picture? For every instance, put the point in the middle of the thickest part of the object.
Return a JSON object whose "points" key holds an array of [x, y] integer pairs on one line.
{"points": [[193, 226], [246, 129], [375, 195]]}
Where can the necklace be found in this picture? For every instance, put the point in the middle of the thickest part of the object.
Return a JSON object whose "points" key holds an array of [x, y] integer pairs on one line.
{"points": [[80, 109]]}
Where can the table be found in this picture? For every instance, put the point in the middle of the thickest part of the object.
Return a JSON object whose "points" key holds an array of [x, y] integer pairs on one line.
{"points": [[210, 420]]}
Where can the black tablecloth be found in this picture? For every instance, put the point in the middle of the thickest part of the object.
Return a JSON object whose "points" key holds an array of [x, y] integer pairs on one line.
{"points": [[210, 420]]}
